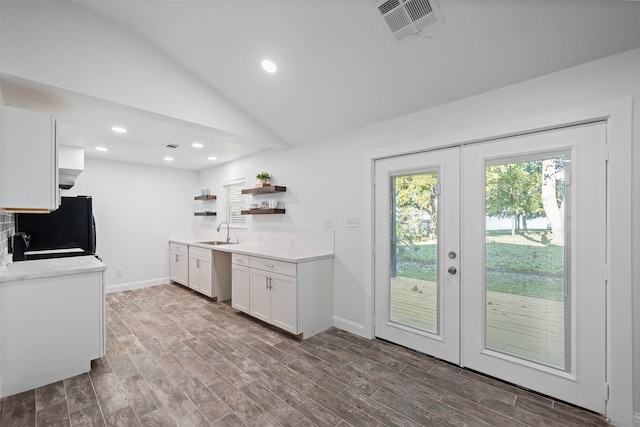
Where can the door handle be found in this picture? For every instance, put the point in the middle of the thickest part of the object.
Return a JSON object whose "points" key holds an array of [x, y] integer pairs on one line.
{"points": [[177, 260], [452, 270]]}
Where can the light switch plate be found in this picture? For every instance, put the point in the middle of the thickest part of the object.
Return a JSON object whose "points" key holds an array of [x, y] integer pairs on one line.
{"points": [[326, 223], [352, 222]]}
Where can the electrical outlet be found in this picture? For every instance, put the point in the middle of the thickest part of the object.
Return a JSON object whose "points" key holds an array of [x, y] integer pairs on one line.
{"points": [[327, 223], [352, 222], [119, 272]]}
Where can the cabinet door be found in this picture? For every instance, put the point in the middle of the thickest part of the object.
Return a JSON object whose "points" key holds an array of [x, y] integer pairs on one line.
{"points": [[183, 269], [205, 269], [284, 302], [194, 273], [179, 268], [29, 163], [200, 275], [260, 295], [240, 288]]}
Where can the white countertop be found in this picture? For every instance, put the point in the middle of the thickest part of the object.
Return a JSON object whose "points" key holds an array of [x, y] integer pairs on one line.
{"points": [[296, 255], [50, 267]]}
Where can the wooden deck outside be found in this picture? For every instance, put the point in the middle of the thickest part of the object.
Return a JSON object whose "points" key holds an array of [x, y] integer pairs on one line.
{"points": [[530, 328]]}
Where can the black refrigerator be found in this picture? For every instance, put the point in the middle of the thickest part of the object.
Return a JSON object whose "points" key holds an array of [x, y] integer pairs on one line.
{"points": [[68, 231]]}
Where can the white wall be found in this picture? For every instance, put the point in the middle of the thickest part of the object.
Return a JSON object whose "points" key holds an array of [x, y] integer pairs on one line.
{"points": [[134, 207], [327, 179], [323, 180]]}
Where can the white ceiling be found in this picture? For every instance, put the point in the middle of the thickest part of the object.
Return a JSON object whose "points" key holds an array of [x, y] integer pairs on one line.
{"points": [[339, 67], [84, 121]]}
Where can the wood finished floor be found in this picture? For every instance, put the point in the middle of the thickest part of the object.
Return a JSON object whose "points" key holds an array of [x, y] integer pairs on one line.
{"points": [[177, 358]]}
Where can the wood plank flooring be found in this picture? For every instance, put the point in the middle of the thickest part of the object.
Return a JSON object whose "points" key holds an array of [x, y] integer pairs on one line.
{"points": [[177, 358]]}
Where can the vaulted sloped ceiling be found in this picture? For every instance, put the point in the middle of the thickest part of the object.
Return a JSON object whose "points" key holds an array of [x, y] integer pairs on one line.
{"points": [[197, 63]]}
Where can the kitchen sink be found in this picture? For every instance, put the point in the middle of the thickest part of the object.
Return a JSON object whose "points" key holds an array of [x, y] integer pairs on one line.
{"points": [[215, 243]]}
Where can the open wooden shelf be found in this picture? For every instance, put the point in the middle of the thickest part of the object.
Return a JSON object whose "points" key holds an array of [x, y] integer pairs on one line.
{"points": [[262, 211], [265, 190], [204, 213], [207, 197]]}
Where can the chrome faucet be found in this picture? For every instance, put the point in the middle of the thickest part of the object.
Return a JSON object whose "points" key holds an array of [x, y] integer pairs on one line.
{"points": [[228, 237]]}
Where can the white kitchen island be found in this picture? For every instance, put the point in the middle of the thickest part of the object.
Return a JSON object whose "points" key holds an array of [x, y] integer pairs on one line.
{"points": [[52, 321]]}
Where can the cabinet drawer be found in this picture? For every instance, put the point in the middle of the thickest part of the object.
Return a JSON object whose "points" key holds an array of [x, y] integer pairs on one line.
{"points": [[240, 259], [200, 252], [177, 247], [286, 268]]}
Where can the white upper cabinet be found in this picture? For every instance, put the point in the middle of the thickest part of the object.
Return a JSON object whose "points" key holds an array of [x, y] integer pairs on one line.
{"points": [[29, 161]]}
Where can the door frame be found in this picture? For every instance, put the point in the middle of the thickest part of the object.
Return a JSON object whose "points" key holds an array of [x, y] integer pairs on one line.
{"points": [[618, 117]]}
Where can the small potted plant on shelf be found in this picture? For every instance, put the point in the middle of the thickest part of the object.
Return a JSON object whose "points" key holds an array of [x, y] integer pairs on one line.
{"points": [[263, 179]]}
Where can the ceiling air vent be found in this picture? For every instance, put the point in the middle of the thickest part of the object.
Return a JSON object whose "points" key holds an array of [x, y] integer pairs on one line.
{"points": [[173, 146], [406, 18]]}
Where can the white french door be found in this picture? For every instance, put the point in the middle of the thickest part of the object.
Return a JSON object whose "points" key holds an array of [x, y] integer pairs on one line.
{"points": [[420, 311], [492, 256]]}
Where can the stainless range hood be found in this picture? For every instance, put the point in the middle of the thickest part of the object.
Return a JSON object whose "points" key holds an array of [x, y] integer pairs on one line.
{"points": [[70, 165]]}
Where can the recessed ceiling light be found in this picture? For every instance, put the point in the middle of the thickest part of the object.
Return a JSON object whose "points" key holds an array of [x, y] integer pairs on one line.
{"points": [[168, 159], [101, 149], [269, 66], [197, 145], [119, 129], [212, 158]]}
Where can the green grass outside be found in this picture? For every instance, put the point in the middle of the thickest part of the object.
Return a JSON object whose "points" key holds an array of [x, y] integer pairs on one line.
{"points": [[515, 268]]}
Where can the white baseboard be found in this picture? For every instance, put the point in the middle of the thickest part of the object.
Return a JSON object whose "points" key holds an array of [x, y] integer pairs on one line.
{"points": [[349, 326], [636, 419], [136, 285]]}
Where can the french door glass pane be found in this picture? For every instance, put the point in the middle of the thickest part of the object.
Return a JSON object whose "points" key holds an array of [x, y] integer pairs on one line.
{"points": [[526, 276], [413, 272]]}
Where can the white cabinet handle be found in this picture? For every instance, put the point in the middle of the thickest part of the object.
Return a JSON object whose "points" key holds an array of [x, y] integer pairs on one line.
{"points": [[197, 263], [177, 260], [266, 283], [270, 283], [269, 265]]}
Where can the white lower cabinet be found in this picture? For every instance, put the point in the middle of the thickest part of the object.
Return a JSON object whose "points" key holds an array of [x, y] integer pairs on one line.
{"points": [[210, 272], [200, 270], [284, 302], [51, 328], [179, 263], [260, 295], [240, 282], [273, 299], [273, 292], [296, 297]]}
